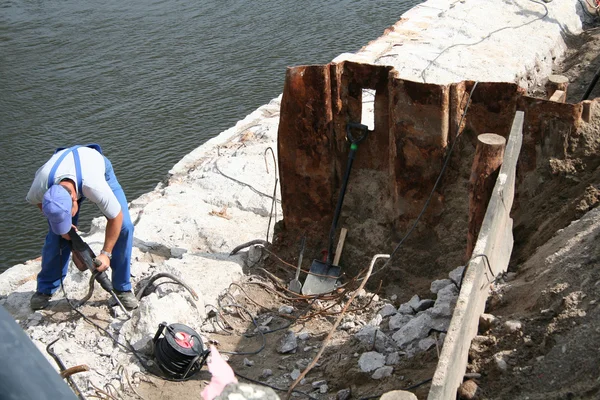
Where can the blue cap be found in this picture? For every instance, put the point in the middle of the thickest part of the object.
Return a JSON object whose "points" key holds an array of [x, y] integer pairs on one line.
{"points": [[56, 206]]}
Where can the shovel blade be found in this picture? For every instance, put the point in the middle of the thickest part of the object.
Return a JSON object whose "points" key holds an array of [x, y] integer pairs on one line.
{"points": [[321, 284], [295, 286]]}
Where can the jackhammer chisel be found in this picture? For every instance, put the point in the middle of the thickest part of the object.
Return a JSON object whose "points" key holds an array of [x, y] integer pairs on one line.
{"points": [[85, 258]]}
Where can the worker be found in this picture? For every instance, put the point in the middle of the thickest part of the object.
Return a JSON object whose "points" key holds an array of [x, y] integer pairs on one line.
{"points": [[59, 187]]}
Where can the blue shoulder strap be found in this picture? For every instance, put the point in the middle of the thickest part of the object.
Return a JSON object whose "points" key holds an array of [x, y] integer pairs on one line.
{"points": [[77, 164], [77, 167]]}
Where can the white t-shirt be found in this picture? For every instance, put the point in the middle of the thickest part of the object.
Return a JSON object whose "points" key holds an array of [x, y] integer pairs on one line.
{"points": [[93, 182]]}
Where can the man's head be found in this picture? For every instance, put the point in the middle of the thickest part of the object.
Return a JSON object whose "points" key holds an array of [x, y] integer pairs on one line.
{"points": [[58, 207]]}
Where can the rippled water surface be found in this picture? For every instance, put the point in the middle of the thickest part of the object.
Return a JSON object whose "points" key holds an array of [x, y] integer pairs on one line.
{"points": [[148, 80]]}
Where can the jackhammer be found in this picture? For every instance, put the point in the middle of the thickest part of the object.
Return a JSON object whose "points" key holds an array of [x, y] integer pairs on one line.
{"points": [[84, 258]]}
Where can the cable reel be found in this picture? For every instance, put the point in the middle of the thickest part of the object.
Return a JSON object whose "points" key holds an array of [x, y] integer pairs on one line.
{"points": [[179, 352]]}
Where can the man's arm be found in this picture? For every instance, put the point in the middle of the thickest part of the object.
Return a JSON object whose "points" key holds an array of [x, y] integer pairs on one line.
{"points": [[113, 230]]}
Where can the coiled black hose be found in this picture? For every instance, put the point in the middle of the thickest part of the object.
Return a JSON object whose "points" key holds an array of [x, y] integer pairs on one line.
{"points": [[154, 277], [174, 359]]}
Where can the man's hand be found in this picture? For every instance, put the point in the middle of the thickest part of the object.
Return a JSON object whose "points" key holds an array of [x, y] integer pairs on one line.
{"points": [[103, 258]]}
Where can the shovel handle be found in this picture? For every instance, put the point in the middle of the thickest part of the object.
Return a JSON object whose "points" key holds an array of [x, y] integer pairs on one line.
{"points": [[300, 257], [340, 246], [338, 209]]}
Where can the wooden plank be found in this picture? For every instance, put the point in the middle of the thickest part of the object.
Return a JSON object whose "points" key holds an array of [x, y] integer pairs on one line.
{"points": [[559, 96]]}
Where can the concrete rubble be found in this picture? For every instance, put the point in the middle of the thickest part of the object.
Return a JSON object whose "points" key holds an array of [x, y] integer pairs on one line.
{"points": [[220, 195], [415, 326]]}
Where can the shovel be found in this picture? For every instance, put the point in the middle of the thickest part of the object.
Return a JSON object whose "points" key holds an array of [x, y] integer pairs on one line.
{"points": [[295, 285], [323, 275]]}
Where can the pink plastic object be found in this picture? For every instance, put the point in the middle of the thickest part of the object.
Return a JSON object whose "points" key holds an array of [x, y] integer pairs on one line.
{"points": [[222, 375]]}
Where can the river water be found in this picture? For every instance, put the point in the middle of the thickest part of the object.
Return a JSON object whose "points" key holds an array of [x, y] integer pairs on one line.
{"points": [[150, 80]]}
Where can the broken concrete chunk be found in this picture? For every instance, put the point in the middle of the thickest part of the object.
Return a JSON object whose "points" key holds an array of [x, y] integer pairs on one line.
{"points": [[105, 346], [467, 390], [387, 310], [500, 358], [371, 361], [319, 383], [415, 329], [456, 274], [426, 344], [346, 326], [323, 389], [424, 305], [448, 294], [486, 322], [383, 372], [414, 301], [303, 335], [247, 391], [439, 284], [248, 363], [376, 320], [392, 358], [266, 373], [288, 343], [441, 310], [398, 395], [406, 309], [370, 335], [439, 324], [398, 321], [295, 374], [513, 326], [286, 309], [343, 394]]}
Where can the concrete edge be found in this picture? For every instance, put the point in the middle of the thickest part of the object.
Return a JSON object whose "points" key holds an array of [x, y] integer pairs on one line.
{"points": [[495, 241]]}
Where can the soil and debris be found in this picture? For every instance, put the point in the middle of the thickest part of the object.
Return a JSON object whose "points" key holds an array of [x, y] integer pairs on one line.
{"points": [[538, 339]]}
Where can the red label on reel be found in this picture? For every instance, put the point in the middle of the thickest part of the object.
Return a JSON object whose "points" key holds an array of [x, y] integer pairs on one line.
{"points": [[184, 340]]}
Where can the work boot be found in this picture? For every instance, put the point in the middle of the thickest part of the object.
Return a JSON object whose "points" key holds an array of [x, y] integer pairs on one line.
{"points": [[39, 301], [126, 298]]}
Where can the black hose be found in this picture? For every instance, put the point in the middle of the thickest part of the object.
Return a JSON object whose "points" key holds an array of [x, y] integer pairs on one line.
{"points": [[180, 364], [154, 277], [591, 85], [90, 291], [264, 243]]}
